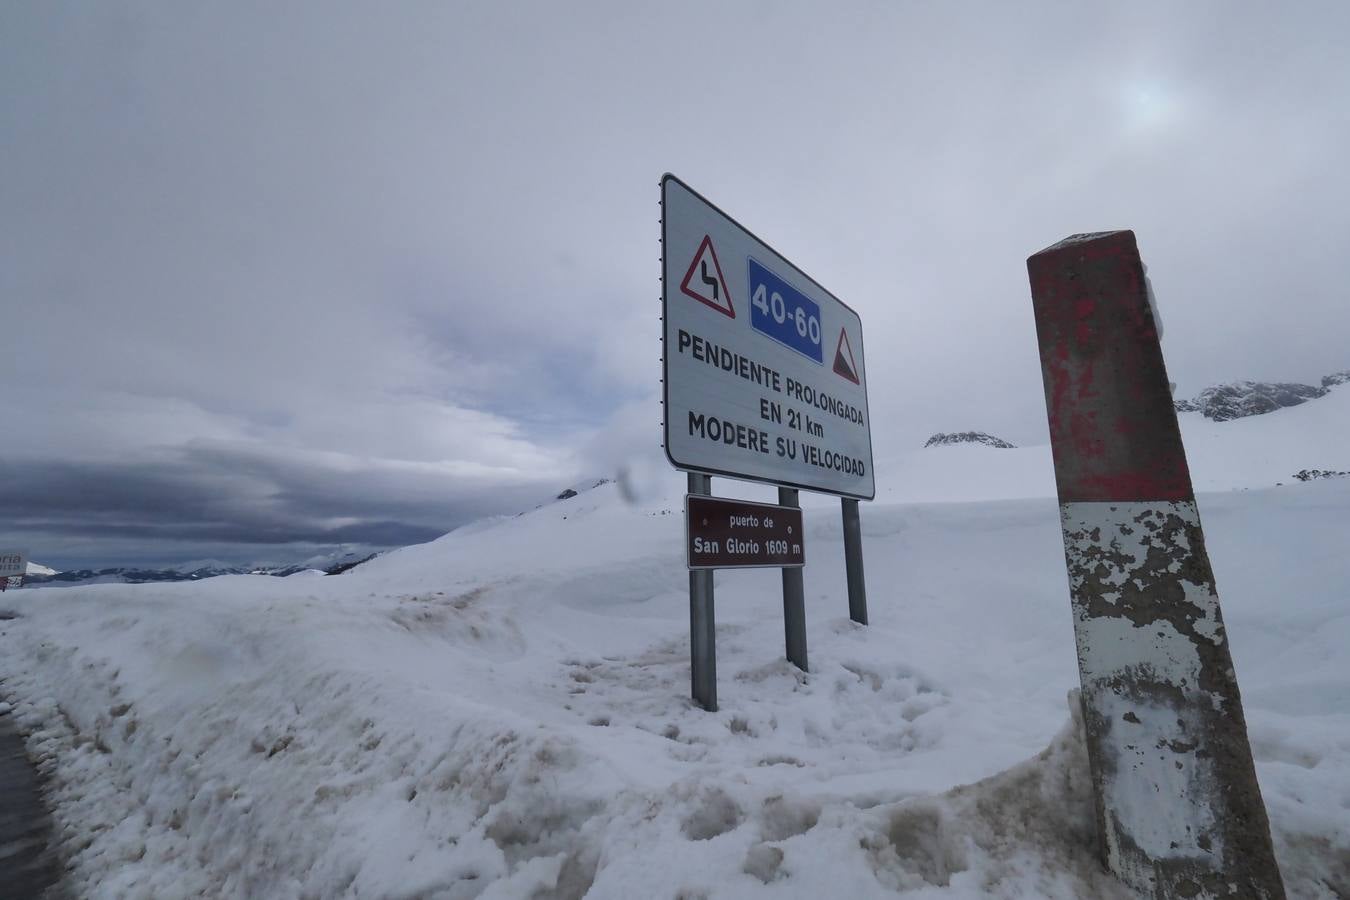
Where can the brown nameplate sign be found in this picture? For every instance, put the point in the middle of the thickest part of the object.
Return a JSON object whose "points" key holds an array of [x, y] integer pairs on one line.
{"points": [[737, 534]]}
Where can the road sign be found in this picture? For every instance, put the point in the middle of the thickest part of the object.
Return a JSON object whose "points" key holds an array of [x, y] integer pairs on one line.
{"points": [[843, 359], [738, 534], [764, 372], [711, 285], [12, 563]]}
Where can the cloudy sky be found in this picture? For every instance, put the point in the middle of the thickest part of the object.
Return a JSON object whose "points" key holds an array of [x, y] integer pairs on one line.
{"points": [[278, 277]]}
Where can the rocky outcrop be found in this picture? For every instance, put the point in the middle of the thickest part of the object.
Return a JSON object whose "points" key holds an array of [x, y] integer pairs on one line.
{"points": [[1240, 399], [571, 492], [968, 437], [1314, 474]]}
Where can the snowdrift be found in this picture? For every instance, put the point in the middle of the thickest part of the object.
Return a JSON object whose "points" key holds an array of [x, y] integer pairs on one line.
{"points": [[504, 712]]}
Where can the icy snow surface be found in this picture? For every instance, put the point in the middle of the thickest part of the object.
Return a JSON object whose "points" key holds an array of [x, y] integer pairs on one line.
{"points": [[504, 712]]}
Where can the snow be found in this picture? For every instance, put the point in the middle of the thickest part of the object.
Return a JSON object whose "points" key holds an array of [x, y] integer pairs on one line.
{"points": [[504, 712], [1259, 451], [33, 568]]}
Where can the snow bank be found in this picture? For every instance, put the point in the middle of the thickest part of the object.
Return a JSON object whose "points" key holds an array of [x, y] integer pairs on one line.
{"points": [[504, 712]]}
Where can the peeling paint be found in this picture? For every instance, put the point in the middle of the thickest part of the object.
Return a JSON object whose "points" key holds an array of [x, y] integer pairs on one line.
{"points": [[1119, 570], [1153, 760], [1112, 646], [1166, 738]]}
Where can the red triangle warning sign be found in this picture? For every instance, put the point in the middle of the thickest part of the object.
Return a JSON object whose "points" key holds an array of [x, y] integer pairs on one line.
{"points": [[843, 359], [704, 281]]}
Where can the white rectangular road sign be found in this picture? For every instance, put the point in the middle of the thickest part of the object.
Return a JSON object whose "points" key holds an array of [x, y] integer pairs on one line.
{"points": [[764, 372], [12, 563]]}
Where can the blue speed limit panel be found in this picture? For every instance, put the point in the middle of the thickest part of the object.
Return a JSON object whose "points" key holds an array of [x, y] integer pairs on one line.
{"points": [[780, 311]]}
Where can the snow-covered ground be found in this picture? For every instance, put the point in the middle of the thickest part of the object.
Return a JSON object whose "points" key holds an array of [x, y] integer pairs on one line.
{"points": [[1260, 451], [504, 712]]}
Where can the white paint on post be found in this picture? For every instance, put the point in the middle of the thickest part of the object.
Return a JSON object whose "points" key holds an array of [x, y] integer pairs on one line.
{"points": [[1149, 749]]}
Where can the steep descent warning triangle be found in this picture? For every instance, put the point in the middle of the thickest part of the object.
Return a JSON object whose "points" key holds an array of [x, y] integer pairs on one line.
{"points": [[704, 281], [843, 359]]}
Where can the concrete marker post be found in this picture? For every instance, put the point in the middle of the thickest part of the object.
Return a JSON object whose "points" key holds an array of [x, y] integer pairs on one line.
{"points": [[853, 562], [1179, 810], [794, 599], [702, 621]]}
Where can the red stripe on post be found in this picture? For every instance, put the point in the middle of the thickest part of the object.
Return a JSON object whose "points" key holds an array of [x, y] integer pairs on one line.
{"points": [[1113, 430]]}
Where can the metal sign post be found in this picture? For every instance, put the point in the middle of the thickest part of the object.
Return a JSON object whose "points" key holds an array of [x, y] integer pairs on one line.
{"points": [[794, 598], [853, 562], [1178, 806], [702, 623]]}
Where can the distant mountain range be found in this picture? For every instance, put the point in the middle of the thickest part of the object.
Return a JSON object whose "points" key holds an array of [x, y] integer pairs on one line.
{"points": [[42, 575], [1220, 403]]}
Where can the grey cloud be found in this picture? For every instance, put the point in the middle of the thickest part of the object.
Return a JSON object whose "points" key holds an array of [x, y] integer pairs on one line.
{"points": [[263, 268], [217, 496]]}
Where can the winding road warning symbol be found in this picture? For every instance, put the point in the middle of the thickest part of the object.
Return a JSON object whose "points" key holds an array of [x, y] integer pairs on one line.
{"points": [[843, 359], [704, 281]]}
